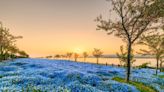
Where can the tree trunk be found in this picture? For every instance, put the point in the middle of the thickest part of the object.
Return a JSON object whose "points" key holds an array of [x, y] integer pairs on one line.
{"points": [[1, 53], [128, 62], [161, 66], [84, 59], [75, 59], [157, 66], [97, 60]]}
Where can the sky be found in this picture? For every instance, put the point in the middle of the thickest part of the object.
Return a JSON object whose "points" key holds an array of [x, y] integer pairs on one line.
{"points": [[53, 27]]}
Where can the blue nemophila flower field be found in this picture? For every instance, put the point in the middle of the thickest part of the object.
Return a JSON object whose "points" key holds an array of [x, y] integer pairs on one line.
{"points": [[62, 76]]}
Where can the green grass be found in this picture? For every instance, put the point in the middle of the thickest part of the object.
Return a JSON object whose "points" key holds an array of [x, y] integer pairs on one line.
{"points": [[141, 87], [161, 76]]}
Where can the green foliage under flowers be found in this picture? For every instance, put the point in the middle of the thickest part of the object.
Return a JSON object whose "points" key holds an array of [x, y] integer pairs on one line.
{"points": [[138, 85], [161, 76], [31, 88], [162, 69]]}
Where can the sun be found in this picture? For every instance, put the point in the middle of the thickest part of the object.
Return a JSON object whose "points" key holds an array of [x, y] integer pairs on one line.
{"points": [[78, 50]]}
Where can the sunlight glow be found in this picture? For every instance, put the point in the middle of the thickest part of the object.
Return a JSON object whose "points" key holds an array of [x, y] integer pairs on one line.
{"points": [[78, 50]]}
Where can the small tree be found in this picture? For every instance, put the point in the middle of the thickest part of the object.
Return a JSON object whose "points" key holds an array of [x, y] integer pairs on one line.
{"points": [[97, 53], [155, 44], [69, 55], [57, 56], [23, 54], [123, 57], [63, 56], [85, 55], [76, 56], [48, 57], [133, 18]]}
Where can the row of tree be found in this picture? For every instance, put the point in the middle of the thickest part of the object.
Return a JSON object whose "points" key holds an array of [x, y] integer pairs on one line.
{"points": [[97, 53], [155, 49], [8, 49], [134, 20]]}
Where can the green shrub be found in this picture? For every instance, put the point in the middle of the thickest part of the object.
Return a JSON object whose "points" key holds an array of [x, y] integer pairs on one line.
{"points": [[144, 65]]}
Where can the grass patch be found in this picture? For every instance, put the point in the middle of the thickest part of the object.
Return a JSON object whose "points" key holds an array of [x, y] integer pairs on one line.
{"points": [[140, 86], [161, 76]]}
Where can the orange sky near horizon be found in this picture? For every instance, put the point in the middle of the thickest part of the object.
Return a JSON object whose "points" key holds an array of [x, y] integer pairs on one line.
{"points": [[53, 27]]}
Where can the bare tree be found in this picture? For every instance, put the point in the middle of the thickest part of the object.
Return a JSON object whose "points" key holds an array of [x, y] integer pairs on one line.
{"points": [[49, 57], [63, 56], [155, 45], [85, 55], [133, 18], [76, 55], [97, 53], [69, 55], [57, 56]]}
